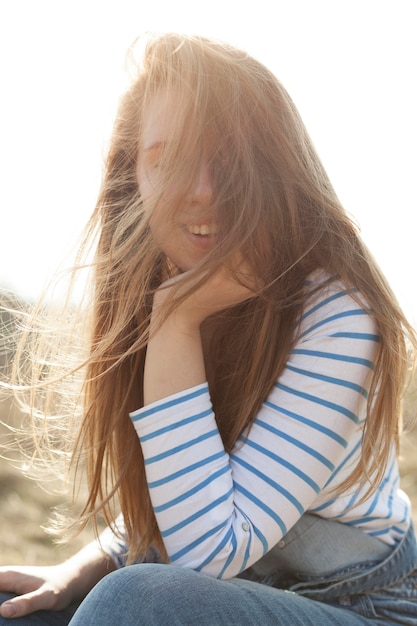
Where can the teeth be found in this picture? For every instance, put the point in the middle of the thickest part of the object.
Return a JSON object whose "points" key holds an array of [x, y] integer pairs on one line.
{"points": [[200, 229]]}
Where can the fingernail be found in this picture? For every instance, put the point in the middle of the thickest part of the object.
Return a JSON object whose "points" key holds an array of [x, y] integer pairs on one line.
{"points": [[8, 609]]}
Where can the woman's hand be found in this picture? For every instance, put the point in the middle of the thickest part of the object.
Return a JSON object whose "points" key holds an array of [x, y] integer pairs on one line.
{"points": [[52, 587], [226, 288], [174, 356], [37, 588]]}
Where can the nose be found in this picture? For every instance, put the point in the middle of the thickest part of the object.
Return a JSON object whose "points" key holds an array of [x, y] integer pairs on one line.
{"points": [[202, 192]]}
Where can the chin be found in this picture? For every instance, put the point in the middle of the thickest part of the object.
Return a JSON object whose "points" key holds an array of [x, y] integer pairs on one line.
{"points": [[184, 265]]}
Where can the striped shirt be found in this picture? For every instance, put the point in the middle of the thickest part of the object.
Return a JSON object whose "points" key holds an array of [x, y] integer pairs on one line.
{"points": [[220, 513]]}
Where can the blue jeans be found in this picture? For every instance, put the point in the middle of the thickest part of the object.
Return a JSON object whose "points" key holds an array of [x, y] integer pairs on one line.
{"points": [[321, 574]]}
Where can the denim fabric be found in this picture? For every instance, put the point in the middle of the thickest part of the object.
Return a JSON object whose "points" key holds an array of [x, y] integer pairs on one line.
{"points": [[323, 573], [341, 566], [167, 595], [317, 546]]}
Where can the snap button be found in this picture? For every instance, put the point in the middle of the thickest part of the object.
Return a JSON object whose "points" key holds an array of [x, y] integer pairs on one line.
{"points": [[281, 544], [245, 526]]}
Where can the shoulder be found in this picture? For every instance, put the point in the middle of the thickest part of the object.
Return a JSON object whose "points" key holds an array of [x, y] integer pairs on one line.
{"points": [[333, 307]]}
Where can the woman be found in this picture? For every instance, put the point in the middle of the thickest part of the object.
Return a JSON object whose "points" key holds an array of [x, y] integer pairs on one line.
{"points": [[241, 322]]}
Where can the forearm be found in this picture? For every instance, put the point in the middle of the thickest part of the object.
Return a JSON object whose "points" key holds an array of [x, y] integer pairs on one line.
{"points": [[53, 587], [86, 568], [174, 360]]}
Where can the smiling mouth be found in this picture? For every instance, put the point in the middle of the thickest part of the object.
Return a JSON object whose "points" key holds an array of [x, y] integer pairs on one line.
{"points": [[204, 230]]}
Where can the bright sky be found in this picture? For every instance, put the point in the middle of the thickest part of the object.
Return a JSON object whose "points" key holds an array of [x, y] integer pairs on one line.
{"points": [[350, 66]]}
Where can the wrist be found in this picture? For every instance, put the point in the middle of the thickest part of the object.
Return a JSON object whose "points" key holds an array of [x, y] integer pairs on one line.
{"points": [[174, 330], [181, 320], [85, 569]]}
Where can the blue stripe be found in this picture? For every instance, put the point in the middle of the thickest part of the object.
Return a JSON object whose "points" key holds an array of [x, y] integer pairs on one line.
{"points": [[311, 451], [169, 404], [197, 514], [373, 504], [230, 557], [326, 431], [295, 470], [191, 492], [247, 551], [175, 425], [332, 318], [354, 498], [393, 490], [335, 357], [329, 405], [349, 505], [198, 541], [188, 469], [343, 463], [273, 484], [329, 379], [378, 533], [322, 303], [262, 506], [380, 490], [182, 447], [228, 537], [362, 336], [262, 539], [326, 505]]}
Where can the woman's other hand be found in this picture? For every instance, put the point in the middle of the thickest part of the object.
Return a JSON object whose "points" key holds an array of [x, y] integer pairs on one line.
{"points": [[37, 588], [52, 587]]}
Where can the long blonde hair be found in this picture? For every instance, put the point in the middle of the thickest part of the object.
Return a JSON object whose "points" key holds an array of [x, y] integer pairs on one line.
{"points": [[273, 202]]}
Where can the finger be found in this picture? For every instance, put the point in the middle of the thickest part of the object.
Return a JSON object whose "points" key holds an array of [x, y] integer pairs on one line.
{"points": [[8, 609], [19, 580], [20, 606]]}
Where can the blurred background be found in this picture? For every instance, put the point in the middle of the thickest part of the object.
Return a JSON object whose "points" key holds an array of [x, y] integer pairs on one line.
{"points": [[349, 65]]}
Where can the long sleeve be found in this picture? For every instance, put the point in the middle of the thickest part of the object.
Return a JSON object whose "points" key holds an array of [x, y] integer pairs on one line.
{"points": [[113, 542], [220, 513]]}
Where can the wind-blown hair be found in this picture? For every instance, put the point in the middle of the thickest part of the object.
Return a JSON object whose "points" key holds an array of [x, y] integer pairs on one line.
{"points": [[273, 202]]}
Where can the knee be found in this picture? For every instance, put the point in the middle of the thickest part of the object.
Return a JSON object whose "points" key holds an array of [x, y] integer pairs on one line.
{"points": [[146, 580], [131, 595], [134, 581]]}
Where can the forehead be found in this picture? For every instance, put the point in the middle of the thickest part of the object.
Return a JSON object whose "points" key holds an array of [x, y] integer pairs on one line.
{"points": [[162, 116], [182, 124]]}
